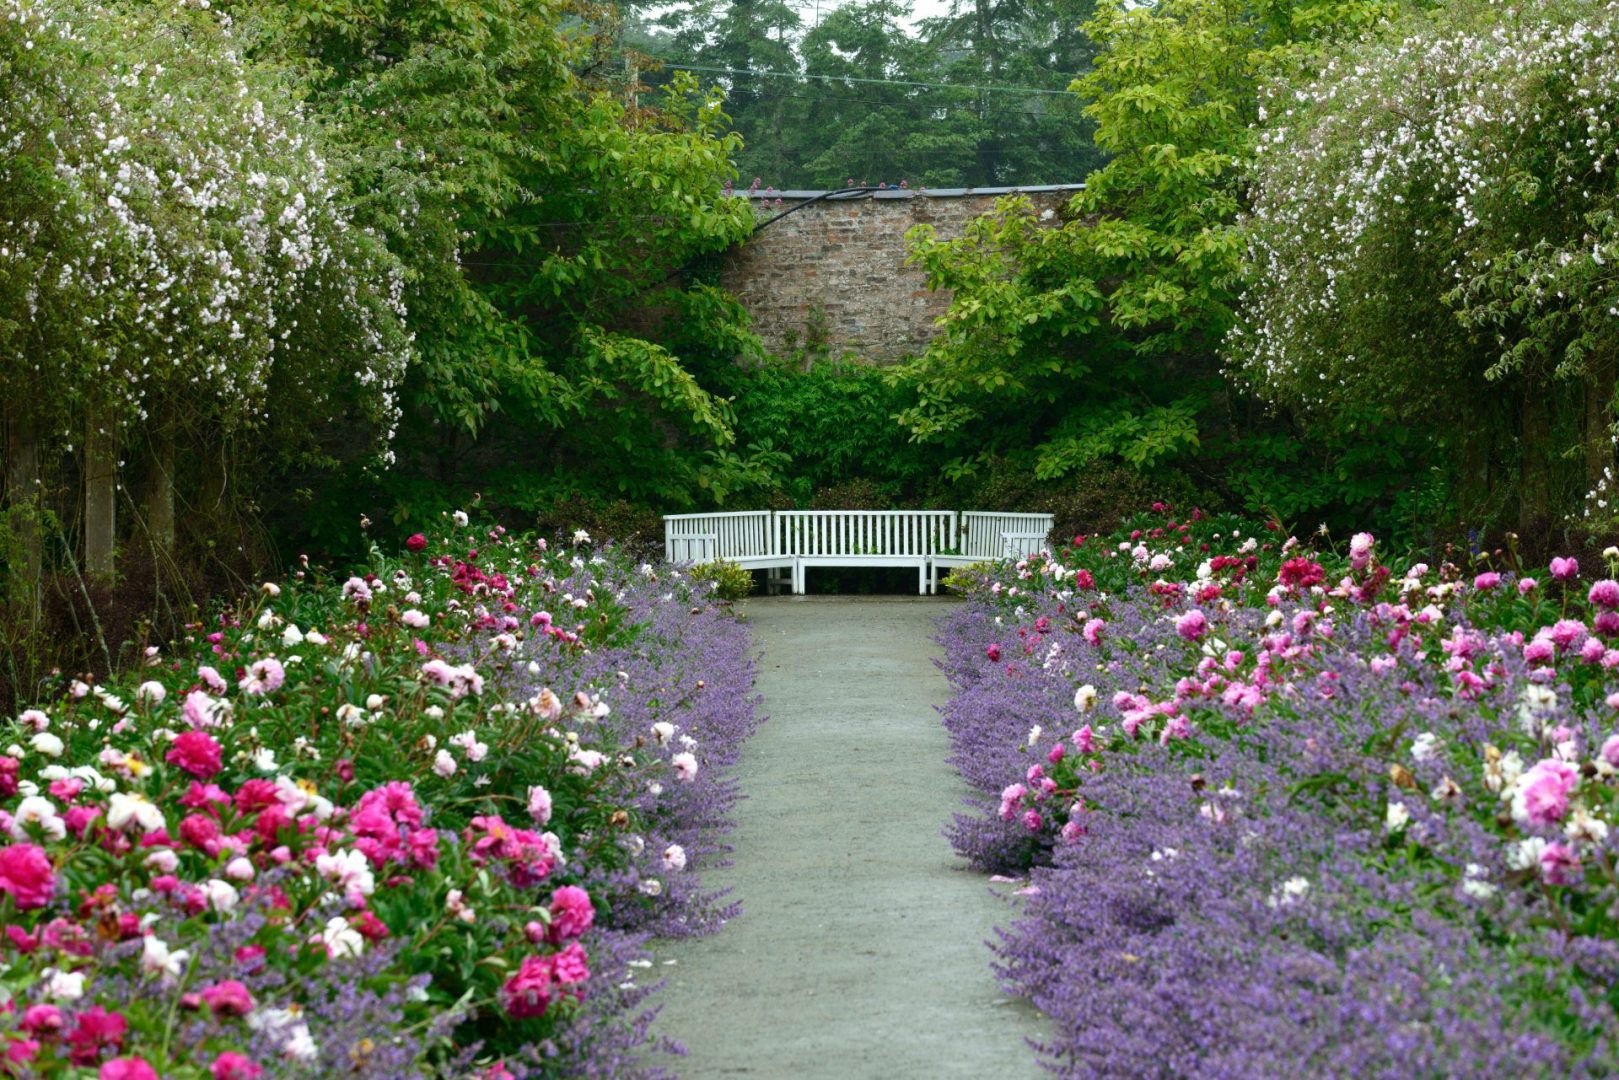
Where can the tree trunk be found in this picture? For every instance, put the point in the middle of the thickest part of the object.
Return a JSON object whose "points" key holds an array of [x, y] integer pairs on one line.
{"points": [[1599, 446], [160, 490], [22, 511], [100, 498], [1534, 484]]}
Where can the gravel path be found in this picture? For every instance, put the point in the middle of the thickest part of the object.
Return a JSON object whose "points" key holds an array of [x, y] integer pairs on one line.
{"points": [[860, 952]]}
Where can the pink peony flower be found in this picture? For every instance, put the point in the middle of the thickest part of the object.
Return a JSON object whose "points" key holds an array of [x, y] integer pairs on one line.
{"points": [[993, 652], [1487, 581], [416, 542], [539, 804], [98, 1029], [233, 1066], [1527, 585], [1192, 625], [1565, 569], [1605, 594], [26, 875], [129, 1068], [569, 965], [1542, 793], [42, 1019], [528, 993], [198, 753], [1558, 864], [1032, 820], [228, 998], [1093, 631], [263, 677], [572, 913]]}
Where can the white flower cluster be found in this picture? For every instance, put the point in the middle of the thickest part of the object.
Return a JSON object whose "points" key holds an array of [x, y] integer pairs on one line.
{"points": [[179, 232], [1475, 154]]}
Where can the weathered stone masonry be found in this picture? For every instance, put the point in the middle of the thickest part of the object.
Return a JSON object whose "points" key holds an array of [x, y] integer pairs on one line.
{"points": [[833, 274]]}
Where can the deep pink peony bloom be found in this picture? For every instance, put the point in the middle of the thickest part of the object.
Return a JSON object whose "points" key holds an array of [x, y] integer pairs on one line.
{"points": [[1300, 573], [993, 651], [233, 1066], [1565, 569], [97, 1029], [9, 768], [129, 1068], [198, 753], [26, 874], [569, 967], [1605, 594], [416, 542], [228, 998], [572, 913], [528, 993], [42, 1019], [1487, 581]]}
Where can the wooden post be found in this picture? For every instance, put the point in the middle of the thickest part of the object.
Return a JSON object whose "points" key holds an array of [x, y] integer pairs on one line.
{"points": [[100, 497], [22, 509], [160, 487]]}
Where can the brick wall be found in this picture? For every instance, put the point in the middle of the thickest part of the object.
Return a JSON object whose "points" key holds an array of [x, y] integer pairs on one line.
{"points": [[835, 270]]}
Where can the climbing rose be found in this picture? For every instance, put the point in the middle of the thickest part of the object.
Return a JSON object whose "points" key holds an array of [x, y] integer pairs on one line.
{"points": [[198, 753], [26, 874], [528, 993]]}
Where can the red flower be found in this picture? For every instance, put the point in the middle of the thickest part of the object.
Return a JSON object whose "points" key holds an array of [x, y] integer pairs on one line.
{"points": [[1301, 573], [97, 1029], [26, 874], [198, 753], [417, 542]]}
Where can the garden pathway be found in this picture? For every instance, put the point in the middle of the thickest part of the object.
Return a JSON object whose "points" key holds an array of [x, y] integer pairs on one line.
{"points": [[860, 951]]}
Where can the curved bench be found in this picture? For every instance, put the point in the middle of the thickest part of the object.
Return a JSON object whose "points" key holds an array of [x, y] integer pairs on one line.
{"points": [[794, 540]]}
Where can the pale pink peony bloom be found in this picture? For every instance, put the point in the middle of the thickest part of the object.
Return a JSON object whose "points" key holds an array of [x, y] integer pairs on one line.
{"points": [[263, 676], [1542, 793]]}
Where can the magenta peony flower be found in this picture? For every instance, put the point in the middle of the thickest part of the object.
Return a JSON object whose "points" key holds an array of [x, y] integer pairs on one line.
{"points": [[26, 875], [1558, 864], [129, 1068], [528, 993], [568, 966], [1605, 594], [416, 542], [1192, 625], [228, 998], [993, 651], [1565, 569], [233, 1066], [1487, 581], [198, 753], [572, 913]]}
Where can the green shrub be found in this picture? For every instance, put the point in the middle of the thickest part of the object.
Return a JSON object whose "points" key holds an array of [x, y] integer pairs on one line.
{"points": [[966, 579], [731, 581]]}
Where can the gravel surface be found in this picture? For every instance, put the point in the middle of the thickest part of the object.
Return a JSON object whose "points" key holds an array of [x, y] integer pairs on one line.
{"points": [[860, 952]]}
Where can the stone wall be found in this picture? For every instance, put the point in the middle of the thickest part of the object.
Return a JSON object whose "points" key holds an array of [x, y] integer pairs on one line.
{"points": [[833, 273]]}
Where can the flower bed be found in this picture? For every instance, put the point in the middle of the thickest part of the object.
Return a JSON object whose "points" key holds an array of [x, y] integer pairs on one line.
{"points": [[415, 822], [1286, 811]]}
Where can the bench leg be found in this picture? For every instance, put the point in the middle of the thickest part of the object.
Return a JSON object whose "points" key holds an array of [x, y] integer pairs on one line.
{"points": [[922, 578], [798, 578]]}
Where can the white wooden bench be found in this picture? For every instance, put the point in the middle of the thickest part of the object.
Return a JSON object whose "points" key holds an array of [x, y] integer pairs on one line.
{"points": [[864, 538], [793, 540], [747, 538], [986, 537]]}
